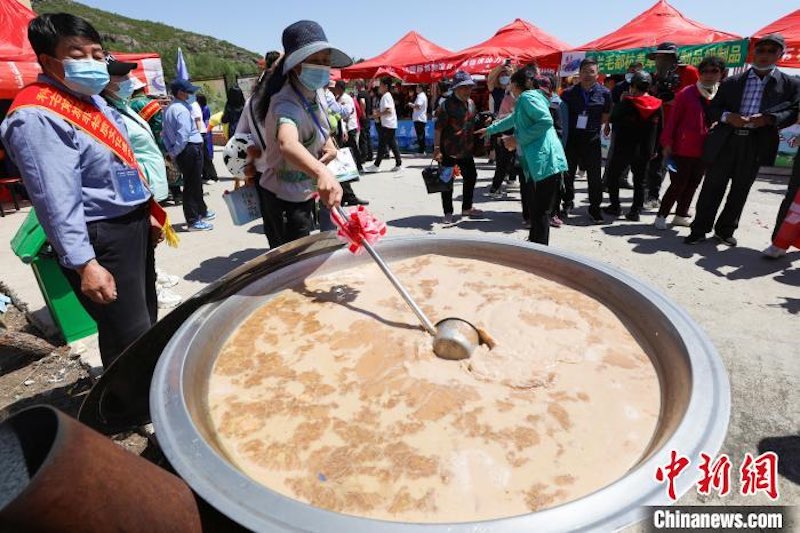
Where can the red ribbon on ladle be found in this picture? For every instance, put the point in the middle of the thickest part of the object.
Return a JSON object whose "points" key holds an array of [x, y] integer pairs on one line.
{"points": [[360, 226]]}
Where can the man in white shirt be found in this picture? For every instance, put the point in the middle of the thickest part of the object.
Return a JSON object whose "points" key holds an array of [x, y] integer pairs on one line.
{"points": [[388, 117], [350, 121], [334, 106], [197, 116], [419, 115]]}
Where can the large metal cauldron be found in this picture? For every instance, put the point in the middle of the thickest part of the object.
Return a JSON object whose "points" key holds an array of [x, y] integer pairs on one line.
{"points": [[695, 394]]}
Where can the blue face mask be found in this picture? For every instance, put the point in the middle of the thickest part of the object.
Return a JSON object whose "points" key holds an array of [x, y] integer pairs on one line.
{"points": [[85, 76], [315, 76], [125, 89], [629, 77], [191, 99], [504, 80]]}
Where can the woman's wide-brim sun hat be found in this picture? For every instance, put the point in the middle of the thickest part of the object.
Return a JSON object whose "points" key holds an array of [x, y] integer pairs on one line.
{"points": [[305, 38]]}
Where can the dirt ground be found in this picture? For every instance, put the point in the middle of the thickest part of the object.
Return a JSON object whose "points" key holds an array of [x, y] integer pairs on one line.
{"points": [[35, 369]]}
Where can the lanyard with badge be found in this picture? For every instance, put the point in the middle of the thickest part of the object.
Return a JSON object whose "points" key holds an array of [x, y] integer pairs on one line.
{"points": [[127, 182], [310, 110], [583, 118]]}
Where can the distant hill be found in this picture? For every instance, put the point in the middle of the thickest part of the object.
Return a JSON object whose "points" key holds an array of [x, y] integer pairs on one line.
{"points": [[205, 56]]}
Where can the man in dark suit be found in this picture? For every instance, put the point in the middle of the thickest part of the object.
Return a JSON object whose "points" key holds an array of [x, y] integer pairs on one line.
{"points": [[747, 114]]}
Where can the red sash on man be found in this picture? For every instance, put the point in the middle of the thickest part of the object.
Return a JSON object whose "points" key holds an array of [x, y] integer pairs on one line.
{"points": [[150, 110], [94, 123], [789, 233]]}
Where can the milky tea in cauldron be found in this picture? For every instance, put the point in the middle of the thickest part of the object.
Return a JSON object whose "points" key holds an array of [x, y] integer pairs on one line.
{"points": [[330, 394]]}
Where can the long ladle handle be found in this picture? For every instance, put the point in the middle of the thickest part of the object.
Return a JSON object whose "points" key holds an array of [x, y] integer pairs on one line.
{"points": [[426, 323]]}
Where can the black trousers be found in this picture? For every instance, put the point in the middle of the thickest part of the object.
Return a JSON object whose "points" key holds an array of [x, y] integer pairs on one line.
{"points": [[284, 221], [504, 159], [419, 129], [583, 148], [190, 162], [122, 246], [469, 175], [682, 186], [539, 196], [624, 156], [365, 142], [209, 171], [348, 194], [738, 164], [655, 175], [388, 141], [352, 143], [623, 175], [794, 184]]}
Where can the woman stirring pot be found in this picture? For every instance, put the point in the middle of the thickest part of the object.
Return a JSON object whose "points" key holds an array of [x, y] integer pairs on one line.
{"points": [[299, 144]]}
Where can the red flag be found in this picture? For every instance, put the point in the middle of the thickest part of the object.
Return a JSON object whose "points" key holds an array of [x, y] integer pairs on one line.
{"points": [[789, 233]]}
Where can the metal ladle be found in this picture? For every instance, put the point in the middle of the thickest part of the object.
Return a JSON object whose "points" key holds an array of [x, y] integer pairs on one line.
{"points": [[453, 338]]}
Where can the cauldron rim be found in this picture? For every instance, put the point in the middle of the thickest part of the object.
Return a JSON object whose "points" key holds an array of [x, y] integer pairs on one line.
{"points": [[701, 429]]}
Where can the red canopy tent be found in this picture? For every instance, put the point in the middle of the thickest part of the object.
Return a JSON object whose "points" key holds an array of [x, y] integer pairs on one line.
{"points": [[521, 41], [18, 65], [14, 45], [789, 27], [659, 24], [148, 69], [400, 60]]}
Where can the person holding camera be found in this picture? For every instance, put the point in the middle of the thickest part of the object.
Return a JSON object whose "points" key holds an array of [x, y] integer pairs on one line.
{"points": [[669, 78]]}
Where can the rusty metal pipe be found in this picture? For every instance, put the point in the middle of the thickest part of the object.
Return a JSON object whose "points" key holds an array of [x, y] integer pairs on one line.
{"points": [[57, 475]]}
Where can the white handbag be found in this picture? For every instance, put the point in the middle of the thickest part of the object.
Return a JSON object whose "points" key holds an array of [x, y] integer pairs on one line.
{"points": [[243, 204], [344, 167]]}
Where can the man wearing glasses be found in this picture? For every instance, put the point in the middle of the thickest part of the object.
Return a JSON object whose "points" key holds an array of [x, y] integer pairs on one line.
{"points": [[747, 114]]}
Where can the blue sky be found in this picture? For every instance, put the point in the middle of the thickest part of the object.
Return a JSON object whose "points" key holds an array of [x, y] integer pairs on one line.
{"points": [[364, 28]]}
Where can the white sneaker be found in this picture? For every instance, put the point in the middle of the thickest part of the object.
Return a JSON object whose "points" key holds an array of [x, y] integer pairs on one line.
{"points": [[685, 222], [660, 223], [167, 299], [653, 203], [371, 169], [773, 252], [165, 280], [396, 168]]}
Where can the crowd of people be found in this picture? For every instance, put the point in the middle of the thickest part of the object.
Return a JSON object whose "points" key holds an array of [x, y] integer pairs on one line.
{"points": [[114, 154]]}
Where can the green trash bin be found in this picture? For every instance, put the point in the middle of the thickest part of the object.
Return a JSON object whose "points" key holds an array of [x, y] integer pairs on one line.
{"points": [[31, 246]]}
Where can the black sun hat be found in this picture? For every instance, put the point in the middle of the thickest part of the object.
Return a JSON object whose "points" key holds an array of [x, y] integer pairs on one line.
{"points": [[305, 38]]}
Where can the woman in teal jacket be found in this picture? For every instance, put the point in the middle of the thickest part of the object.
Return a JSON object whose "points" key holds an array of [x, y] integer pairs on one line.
{"points": [[542, 155]]}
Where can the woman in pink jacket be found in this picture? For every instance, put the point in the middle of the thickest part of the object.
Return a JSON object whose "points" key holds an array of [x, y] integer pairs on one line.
{"points": [[682, 142]]}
